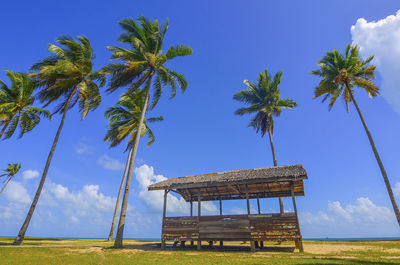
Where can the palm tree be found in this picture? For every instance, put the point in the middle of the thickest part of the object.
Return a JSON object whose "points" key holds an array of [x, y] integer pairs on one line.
{"points": [[16, 105], [11, 171], [67, 75], [340, 75], [124, 119], [264, 99], [143, 65]]}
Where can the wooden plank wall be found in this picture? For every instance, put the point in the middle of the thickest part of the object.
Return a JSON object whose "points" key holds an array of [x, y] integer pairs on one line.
{"points": [[274, 227], [262, 227], [224, 227], [181, 228]]}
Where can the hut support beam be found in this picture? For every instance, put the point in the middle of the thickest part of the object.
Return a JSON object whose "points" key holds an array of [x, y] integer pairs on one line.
{"points": [[248, 202], [252, 242], [198, 218], [259, 212], [221, 243], [299, 242], [163, 219], [252, 246], [191, 215]]}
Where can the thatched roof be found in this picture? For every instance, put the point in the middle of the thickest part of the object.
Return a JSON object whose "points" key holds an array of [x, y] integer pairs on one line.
{"points": [[190, 185]]}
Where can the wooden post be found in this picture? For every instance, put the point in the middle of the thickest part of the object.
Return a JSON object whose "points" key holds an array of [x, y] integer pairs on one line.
{"points": [[252, 246], [252, 242], [248, 202], [163, 220], [198, 219], [221, 243], [299, 241], [259, 212], [191, 215]]}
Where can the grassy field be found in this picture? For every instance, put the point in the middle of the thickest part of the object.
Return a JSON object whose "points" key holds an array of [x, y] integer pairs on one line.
{"points": [[82, 251]]}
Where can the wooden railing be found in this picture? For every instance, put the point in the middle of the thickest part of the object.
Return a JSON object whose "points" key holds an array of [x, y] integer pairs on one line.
{"points": [[260, 227]]}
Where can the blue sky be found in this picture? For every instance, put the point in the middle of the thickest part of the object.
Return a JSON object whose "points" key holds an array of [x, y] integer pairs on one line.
{"points": [[232, 41]]}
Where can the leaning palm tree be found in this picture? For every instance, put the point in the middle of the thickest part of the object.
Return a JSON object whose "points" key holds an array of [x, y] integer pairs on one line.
{"points": [[123, 122], [68, 76], [11, 171], [16, 108], [340, 75], [143, 66], [265, 101]]}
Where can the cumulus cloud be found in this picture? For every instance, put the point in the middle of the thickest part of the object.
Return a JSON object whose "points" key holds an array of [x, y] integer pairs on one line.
{"points": [[84, 148], [155, 199], [61, 211], [110, 163], [359, 219], [88, 200], [238, 210], [30, 174], [5, 212], [15, 192], [363, 211], [396, 189], [381, 38]]}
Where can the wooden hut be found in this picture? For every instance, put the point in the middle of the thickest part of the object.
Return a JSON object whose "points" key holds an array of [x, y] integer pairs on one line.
{"points": [[273, 182]]}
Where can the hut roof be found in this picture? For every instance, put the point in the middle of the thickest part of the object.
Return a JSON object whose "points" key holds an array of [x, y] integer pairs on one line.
{"points": [[261, 182]]}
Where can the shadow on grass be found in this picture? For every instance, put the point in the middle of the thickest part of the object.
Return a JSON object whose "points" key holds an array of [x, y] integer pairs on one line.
{"points": [[304, 259], [157, 247], [345, 262], [32, 239]]}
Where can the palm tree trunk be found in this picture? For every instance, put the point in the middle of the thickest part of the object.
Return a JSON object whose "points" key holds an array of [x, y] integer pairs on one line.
{"points": [[4, 129], [5, 185], [24, 227], [121, 225], [378, 159], [275, 164], [111, 235]]}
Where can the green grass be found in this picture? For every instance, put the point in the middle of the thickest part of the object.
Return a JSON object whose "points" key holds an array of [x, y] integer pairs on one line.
{"points": [[89, 251]]}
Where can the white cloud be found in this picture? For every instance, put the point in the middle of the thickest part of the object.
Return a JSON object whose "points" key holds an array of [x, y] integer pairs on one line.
{"points": [[396, 189], [363, 211], [16, 192], [84, 148], [73, 219], [238, 210], [30, 174], [5, 212], [155, 199], [82, 202], [64, 212], [381, 38], [110, 163], [363, 218]]}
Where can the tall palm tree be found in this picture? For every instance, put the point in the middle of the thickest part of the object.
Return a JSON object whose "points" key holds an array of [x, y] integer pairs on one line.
{"points": [[143, 66], [123, 122], [11, 171], [67, 75], [16, 108], [340, 74], [265, 101]]}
